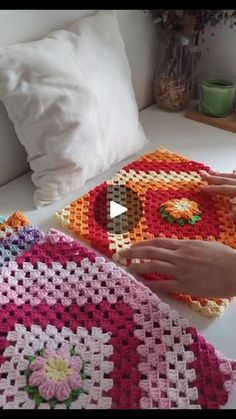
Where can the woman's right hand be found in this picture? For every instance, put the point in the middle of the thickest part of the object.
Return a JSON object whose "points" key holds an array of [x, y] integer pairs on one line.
{"points": [[221, 183], [199, 268]]}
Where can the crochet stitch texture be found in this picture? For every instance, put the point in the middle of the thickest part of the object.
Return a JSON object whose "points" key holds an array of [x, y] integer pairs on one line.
{"points": [[79, 332], [156, 177]]}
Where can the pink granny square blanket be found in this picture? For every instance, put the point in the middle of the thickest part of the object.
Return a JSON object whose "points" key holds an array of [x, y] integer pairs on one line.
{"points": [[79, 332]]}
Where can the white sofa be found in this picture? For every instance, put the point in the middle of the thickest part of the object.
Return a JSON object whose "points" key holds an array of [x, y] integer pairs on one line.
{"points": [[194, 140]]}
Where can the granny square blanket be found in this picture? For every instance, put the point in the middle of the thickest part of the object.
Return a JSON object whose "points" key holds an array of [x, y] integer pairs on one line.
{"points": [[165, 185], [79, 332]]}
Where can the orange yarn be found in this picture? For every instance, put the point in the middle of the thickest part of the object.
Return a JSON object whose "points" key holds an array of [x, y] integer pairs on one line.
{"points": [[14, 222], [17, 220]]}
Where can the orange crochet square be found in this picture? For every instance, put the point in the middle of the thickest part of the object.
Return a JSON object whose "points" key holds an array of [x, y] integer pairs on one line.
{"points": [[154, 178], [12, 223]]}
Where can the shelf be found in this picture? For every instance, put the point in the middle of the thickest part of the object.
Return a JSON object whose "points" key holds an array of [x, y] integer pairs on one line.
{"points": [[228, 123]]}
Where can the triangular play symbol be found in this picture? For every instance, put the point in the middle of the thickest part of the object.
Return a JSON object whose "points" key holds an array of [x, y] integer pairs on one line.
{"points": [[116, 209]]}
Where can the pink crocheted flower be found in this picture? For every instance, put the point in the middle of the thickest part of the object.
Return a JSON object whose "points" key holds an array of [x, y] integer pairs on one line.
{"points": [[56, 374]]}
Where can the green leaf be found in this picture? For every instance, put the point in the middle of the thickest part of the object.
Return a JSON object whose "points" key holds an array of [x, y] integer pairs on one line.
{"points": [[191, 221], [68, 402], [194, 219], [83, 375], [52, 403], [38, 399], [30, 389], [33, 390], [27, 373], [73, 351], [165, 215], [31, 358], [181, 221], [170, 219], [77, 392]]}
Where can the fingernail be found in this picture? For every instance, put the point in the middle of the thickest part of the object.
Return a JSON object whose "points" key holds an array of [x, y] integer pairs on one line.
{"points": [[203, 173]]}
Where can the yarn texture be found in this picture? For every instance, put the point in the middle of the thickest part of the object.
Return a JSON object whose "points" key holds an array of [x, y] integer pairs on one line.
{"points": [[157, 178], [79, 332]]}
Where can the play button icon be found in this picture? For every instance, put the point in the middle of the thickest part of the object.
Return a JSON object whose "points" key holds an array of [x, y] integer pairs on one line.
{"points": [[116, 209]]}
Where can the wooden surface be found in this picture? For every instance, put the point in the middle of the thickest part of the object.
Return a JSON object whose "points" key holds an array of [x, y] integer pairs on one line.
{"points": [[228, 123]]}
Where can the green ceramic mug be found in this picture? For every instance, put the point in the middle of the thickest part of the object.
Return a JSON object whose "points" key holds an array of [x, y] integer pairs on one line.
{"points": [[217, 98]]}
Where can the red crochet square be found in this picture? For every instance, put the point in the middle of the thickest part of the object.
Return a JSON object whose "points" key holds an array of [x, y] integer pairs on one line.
{"points": [[155, 178]]}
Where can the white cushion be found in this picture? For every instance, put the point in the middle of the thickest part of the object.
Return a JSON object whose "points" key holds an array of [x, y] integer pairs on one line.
{"points": [[71, 100]]}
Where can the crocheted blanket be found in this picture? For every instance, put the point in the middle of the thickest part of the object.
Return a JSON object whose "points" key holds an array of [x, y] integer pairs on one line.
{"points": [[79, 332], [165, 192]]}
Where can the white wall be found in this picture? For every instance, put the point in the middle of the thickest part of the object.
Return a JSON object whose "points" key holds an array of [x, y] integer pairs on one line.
{"points": [[140, 37], [138, 32], [222, 55]]}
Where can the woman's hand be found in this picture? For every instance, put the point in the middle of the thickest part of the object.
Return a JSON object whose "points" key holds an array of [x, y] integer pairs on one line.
{"points": [[221, 183], [199, 268]]}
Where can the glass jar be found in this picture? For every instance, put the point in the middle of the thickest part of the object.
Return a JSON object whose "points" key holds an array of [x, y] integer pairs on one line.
{"points": [[217, 97], [174, 78]]}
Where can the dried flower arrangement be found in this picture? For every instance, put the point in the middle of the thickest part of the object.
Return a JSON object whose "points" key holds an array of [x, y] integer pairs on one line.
{"points": [[192, 22], [180, 32]]}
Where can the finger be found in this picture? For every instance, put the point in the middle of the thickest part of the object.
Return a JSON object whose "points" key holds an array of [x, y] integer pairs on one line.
{"points": [[233, 207], [204, 173], [226, 175], [165, 286], [153, 267], [213, 172], [163, 243], [232, 214], [218, 174], [148, 252], [220, 180], [228, 190]]}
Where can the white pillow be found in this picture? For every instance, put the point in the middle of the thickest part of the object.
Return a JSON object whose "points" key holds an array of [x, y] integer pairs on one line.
{"points": [[71, 100]]}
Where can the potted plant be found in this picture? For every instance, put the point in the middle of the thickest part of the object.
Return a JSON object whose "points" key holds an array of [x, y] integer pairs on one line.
{"points": [[179, 32]]}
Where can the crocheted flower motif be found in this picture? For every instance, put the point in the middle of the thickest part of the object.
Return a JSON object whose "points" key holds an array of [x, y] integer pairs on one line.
{"points": [[182, 211], [55, 376], [56, 368]]}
